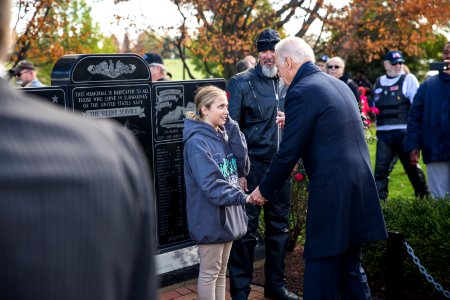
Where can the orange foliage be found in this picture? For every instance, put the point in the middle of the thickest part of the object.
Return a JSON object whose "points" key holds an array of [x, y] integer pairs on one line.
{"points": [[228, 28], [53, 28], [366, 29], [39, 15]]}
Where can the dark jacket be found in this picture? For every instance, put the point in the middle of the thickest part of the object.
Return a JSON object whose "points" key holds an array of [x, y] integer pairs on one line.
{"points": [[393, 105], [429, 120], [253, 104], [215, 202], [324, 128], [352, 85], [77, 206]]}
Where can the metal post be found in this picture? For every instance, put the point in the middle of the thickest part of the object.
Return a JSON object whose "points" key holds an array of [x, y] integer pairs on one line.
{"points": [[395, 255]]}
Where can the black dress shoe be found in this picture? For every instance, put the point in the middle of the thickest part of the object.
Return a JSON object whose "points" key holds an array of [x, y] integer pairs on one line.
{"points": [[280, 294]]}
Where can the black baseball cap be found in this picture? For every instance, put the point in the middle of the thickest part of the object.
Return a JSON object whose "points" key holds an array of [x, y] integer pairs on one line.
{"points": [[323, 58], [23, 65], [152, 58], [394, 57]]}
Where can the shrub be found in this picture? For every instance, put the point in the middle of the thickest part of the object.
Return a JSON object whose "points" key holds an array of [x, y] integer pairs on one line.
{"points": [[425, 224], [297, 216]]}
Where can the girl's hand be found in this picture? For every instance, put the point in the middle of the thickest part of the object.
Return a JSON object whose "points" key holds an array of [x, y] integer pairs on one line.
{"points": [[243, 184]]}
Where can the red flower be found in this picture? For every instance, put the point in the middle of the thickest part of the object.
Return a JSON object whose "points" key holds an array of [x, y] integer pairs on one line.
{"points": [[375, 110], [299, 177]]}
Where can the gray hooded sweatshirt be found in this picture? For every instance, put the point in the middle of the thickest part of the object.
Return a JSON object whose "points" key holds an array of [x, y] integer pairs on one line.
{"points": [[212, 161]]}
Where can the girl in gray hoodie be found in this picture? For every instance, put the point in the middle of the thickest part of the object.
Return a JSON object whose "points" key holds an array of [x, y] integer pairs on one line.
{"points": [[215, 162]]}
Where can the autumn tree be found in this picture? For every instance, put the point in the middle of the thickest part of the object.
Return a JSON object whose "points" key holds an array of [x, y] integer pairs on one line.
{"points": [[147, 42], [228, 28], [53, 29], [366, 29], [37, 16], [114, 41], [126, 44]]}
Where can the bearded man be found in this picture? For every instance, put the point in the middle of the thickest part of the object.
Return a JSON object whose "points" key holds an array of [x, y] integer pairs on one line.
{"points": [[256, 101], [393, 96]]}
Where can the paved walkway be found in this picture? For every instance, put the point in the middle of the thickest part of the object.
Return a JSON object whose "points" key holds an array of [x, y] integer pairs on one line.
{"points": [[188, 291]]}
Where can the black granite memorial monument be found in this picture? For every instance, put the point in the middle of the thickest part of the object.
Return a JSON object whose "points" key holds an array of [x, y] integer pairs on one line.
{"points": [[53, 94], [119, 87]]}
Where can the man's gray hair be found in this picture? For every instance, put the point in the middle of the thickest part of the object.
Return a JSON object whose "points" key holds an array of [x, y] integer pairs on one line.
{"points": [[5, 15], [296, 48], [338, 59], [161, 67]]}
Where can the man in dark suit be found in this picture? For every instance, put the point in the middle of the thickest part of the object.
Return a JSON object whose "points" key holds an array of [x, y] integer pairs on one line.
{"points": [[324, 128], [76, 207]]}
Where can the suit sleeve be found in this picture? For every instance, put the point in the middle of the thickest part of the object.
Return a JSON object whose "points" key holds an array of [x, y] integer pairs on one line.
{"points": [[300, 120], [209, 178], [415, 119]]}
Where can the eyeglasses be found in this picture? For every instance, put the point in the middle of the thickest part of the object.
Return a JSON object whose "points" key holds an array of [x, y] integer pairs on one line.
{"points": [[397, 63], [20, 73], [265, 42], [333, 67]]}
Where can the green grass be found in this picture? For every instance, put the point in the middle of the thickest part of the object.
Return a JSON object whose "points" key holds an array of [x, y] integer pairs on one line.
{"points": [[175, 67], [399, 185]]}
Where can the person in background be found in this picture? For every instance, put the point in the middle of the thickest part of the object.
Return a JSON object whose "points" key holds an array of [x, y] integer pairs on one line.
{"points": [[215, 156], [406, 69], [157, 68], [335, 67], [393, 96], [428, 129], [25, 74], [365, 97], [242, 65], [323, 127], [362, 81], [77, 207], [321, 62], [256, 99], [246, 63], [251, 60]]}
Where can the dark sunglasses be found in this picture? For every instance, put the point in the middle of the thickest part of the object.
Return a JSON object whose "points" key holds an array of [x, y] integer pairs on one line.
{"points": [[265, 42], [20, 74], [397, 63], [333, 67]]}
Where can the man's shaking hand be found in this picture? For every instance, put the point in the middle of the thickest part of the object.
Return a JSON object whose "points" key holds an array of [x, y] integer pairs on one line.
{"points": [[256, 198]]}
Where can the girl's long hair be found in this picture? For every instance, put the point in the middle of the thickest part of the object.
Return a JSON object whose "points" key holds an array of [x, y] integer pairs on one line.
{"points": [[204, 96]]}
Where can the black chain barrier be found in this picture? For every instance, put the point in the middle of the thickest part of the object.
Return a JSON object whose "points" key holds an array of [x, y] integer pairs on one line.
{"points": [[424, 271]]}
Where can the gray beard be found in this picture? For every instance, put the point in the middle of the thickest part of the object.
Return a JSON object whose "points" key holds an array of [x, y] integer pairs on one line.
{"points": [[269, 72]]}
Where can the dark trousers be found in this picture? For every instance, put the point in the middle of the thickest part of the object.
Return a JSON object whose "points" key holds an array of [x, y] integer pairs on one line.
{"points": [[339, 277], [276, 218], [389, 144]]}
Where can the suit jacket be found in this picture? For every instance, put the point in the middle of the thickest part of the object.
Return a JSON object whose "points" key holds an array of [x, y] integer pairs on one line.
{"points": [[76, 206], [324, 128]]}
